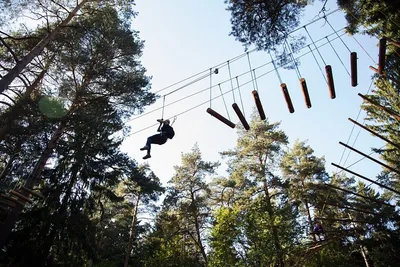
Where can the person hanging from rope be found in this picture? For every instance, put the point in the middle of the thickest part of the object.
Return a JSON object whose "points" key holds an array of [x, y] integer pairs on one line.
{"points": [[166, 132], [318, 229]]}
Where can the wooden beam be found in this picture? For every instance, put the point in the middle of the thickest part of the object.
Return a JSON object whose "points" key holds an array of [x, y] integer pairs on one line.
{"points": [[9, 198], [32, 192], [384, 75], [349, 208], [340, 220], [367, 179], [7, 203], [374, 133], [370, 158], [359, 195], [20, 196], [388, 110]]}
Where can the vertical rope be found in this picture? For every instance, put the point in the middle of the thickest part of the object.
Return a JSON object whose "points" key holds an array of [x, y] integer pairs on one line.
{"points": [[230, 78], [210, 86], [252, 79], [240, 95], [334, 50], [223, 98], [323, 75], [163, 106], [293, 60], [337, 34], [357, 19], [314, 45], [255, 79], [276, 70]]}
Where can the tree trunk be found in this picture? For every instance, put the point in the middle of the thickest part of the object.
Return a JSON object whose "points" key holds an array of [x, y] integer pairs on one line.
{"points": [[13, 113], [309, 215], [196, 222], [364, 256], [7, 79], [132, 232], [278, 249]]}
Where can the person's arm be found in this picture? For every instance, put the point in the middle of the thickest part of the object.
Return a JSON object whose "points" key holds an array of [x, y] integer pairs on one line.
{"points": [[159, 127]]}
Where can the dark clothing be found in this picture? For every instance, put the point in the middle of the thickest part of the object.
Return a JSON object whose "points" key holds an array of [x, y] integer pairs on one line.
{"points": [[318, 229], [167, 130], [158, 139]]}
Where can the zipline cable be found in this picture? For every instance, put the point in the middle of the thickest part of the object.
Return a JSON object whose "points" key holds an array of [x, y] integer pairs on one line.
{"points": [[244, 73], [204, 103]]}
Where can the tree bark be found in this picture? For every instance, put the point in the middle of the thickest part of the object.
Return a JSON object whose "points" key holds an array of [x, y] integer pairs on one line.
{"points": [[132, 231], [275, 236], [309, 215], [202, 250], [7, 79]]}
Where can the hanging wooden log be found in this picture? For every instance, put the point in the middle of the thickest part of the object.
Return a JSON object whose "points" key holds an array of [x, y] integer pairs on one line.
{"points": [[382, 55], [241, 117], [20, 196], [259, 105], [287, 97], [220, 117], [331, 84], [37, 194], [353, 69], [304, 88]]}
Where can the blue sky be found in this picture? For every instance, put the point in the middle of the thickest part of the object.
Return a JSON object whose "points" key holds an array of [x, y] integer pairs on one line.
{"points": [[184, 37]]}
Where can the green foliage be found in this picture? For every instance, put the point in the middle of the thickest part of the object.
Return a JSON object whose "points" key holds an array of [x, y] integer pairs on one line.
{"points": [[52, 107], [223, 236], [265, 24]]}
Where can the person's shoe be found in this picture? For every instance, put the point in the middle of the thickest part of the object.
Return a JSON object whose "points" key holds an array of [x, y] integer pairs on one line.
{"points": [[160, 120], [144, 148], [147, 156]]}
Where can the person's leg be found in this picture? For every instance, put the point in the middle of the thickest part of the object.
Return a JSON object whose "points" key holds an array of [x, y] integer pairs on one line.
{"points": [[155, 139], [150, 140], [148, 144]]}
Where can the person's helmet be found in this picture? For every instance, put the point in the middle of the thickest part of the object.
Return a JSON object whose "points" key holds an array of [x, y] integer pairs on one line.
{"points": [[167, 122]]}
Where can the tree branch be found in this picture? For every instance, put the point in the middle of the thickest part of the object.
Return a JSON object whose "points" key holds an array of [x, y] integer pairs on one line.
{"points": [[9, 50]]}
